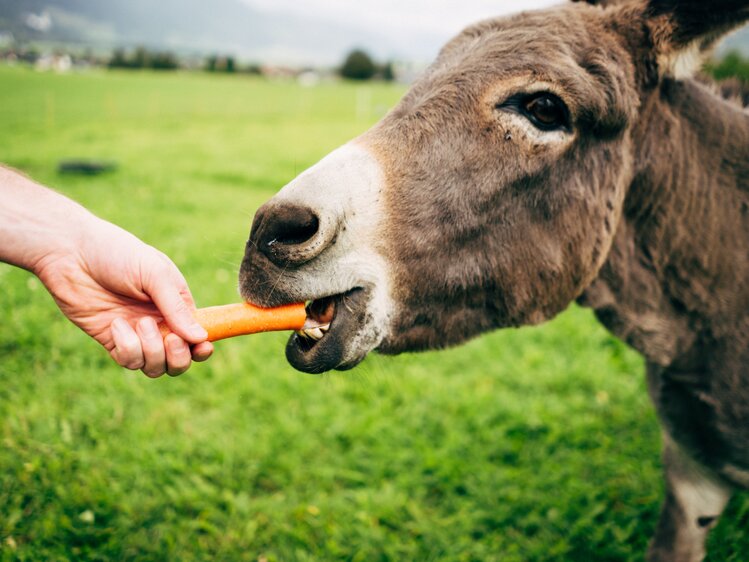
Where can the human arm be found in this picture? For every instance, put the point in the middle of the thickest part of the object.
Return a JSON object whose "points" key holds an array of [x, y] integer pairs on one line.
{"points": [[109, 283]]}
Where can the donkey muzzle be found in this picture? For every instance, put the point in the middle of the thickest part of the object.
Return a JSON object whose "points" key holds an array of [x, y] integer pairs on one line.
{"points": [[290, 235]]}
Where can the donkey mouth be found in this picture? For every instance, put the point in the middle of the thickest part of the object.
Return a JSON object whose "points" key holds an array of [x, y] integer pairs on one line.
{"points": [[323, 343]]}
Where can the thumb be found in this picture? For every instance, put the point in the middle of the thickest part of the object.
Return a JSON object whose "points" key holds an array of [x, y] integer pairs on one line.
{"points": [[171, 295]]}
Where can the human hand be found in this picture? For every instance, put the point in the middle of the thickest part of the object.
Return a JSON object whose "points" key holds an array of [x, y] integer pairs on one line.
{"points": [[117, 289]]}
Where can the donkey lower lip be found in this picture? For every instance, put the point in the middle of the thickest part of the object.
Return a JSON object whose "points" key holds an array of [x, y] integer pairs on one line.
{"points": [[342, 314]]}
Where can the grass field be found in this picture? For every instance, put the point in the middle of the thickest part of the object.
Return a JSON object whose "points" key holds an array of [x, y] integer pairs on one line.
{"points": [[526, 445]]}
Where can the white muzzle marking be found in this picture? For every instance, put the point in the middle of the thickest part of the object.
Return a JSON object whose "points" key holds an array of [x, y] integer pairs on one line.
{"points": [[345, 190]]}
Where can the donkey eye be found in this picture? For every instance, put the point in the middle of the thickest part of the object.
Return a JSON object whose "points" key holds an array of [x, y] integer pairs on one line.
{"points": [[546, 111]]}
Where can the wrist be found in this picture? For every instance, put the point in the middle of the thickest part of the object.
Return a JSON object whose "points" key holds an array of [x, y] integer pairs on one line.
{"points": [[62, 240], [37, 225]]}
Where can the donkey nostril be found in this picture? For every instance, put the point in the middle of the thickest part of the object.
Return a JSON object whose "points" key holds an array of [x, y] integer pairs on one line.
{"points": [[281, 231], [292, 232], [289, 234]]}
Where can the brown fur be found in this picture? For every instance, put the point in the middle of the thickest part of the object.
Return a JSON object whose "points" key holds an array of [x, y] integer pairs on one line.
{"points": [[641, 212]]}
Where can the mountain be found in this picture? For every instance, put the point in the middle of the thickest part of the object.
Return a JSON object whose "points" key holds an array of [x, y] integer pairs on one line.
{"points": [[200, 27]]}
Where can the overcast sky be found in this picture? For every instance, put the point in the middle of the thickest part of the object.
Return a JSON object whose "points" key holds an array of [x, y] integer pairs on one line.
{"points": [[396, 18], [438, 16]]}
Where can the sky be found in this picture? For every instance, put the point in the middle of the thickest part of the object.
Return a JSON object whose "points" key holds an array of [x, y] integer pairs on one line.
{"points": [[436, 16], [400, 19]]}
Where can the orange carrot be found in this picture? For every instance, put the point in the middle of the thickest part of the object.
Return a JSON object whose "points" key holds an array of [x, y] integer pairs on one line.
{"points": [[244, 318]]}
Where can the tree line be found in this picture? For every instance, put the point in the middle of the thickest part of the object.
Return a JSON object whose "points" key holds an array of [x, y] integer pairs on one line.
{"points": [[357, 65], [142, 58]]}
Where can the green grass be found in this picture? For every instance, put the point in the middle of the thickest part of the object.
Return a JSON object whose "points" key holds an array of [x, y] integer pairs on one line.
{"points": [[533, 444]]}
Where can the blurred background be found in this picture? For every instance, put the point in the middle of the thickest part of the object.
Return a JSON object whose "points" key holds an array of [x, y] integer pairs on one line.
{"points": [[531, 444], [269, 37]]}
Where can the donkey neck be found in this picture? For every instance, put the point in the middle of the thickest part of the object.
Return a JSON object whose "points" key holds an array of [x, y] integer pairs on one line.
{"points": [[677, 270]]}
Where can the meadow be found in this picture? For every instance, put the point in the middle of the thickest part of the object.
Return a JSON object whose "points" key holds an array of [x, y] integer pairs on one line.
{"points": [[538, 444]]}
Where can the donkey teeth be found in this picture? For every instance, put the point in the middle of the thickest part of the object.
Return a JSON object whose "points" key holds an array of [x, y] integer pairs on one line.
{"points": [[315, 333], [312, 323]]}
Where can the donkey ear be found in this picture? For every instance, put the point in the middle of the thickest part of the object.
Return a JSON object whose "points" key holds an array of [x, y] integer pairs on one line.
{"points": [[684, 31]]}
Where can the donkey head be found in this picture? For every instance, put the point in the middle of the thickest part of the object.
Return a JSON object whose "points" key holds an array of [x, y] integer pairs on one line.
{"points": [[489, 196]]}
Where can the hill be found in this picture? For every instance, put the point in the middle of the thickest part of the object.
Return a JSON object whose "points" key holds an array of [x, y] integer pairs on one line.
{"points": [[196, 26], [221, 26]]}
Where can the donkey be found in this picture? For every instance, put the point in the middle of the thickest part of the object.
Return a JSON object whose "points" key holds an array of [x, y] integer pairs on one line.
{"points": [[558, 155]]}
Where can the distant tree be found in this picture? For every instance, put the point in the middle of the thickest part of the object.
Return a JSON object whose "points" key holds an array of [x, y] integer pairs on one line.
{"points": [[141, 58], [215, 63], [358, 66], [386, 72], [119, 59], [30, 55], [163, 61], [253, 68], [733, 65]]}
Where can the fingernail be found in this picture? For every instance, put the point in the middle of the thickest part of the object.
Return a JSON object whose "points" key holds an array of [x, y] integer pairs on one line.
{"points": [[198, 332]]}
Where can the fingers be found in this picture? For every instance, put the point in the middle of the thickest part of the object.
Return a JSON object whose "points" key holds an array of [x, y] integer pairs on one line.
{"points": [[169, 291], [127, 351], [178, 356], [202, 351], [143, 348], [154, 354]]}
